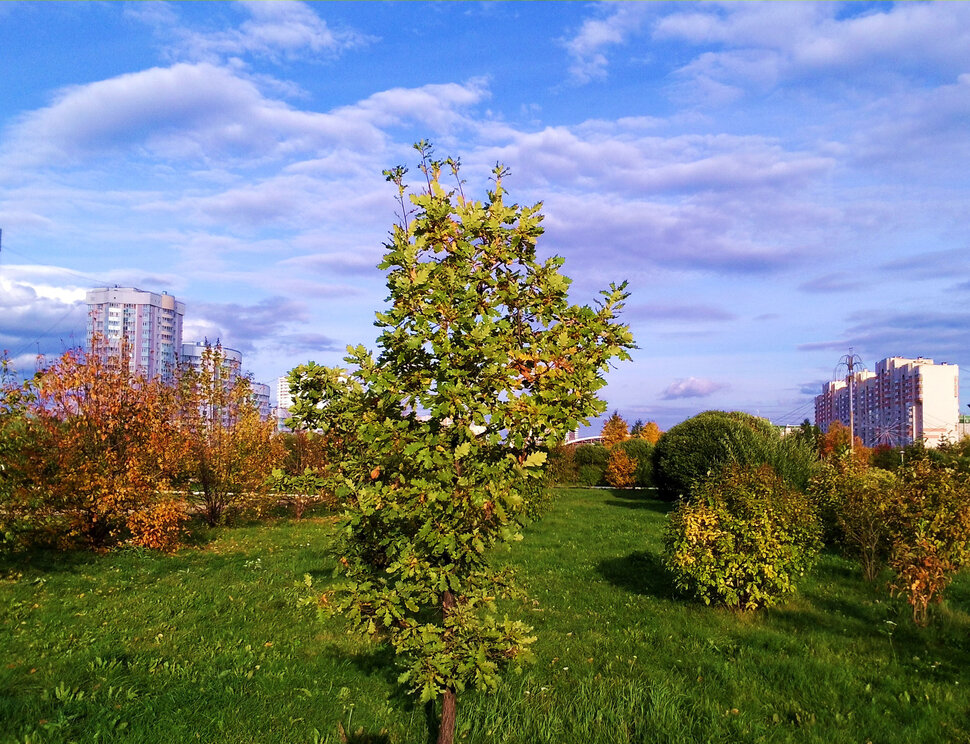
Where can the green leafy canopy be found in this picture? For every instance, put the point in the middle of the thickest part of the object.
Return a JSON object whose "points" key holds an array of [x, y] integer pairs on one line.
{"points": [[483, 365]]}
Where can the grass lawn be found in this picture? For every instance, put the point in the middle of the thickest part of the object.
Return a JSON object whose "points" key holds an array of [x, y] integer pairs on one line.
{"points": [[209, 645]]}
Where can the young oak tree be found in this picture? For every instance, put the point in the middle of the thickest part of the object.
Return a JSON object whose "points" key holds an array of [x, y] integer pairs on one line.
{"points": [[483, 366]]}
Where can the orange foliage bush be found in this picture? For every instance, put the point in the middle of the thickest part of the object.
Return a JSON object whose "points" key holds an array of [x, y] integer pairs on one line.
{"points": [[837, 441], [230, 450], [161, 526], [615, 430], [620, 469], [98, 444]]}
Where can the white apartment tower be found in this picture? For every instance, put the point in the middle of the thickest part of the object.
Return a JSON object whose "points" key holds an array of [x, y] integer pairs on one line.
{"points": [[284, 401], [903, 401], [151, 323]]}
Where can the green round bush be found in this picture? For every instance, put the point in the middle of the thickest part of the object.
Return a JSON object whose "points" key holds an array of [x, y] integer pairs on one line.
{"points": [[592, 454], [591, 460], [700, 446], [743, 540], [591, 475]]}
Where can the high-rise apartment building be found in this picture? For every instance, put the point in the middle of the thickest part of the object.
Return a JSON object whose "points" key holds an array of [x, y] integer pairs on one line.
{"points": [[901, 402], [230, 370], [151, 323], [191, 355], [261, 393], [284, 401]]}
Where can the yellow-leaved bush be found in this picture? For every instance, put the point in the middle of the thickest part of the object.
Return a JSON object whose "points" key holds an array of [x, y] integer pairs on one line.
{"points": [[742, 540]]}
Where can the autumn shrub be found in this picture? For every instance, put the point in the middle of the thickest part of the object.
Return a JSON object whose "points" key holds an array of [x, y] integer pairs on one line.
{"points": [[614, 431], [857, 505], [229, 450], [620, 469], [743, 540], [561, 469], [931, 534], [839, 442], [700, 446], [96, 442], [648, 432], [160, 526], [15, 523]]}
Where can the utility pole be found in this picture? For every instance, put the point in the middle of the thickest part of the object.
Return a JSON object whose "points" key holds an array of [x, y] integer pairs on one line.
{"points": [[850, 361]]}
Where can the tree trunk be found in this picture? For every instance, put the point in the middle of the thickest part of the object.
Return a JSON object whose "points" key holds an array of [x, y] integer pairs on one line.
{"points": [[446, 729]]}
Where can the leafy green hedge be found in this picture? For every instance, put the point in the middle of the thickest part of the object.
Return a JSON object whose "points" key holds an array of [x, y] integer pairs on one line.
{"points": [[701, 446]]}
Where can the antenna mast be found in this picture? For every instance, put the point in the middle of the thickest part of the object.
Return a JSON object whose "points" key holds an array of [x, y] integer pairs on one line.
{"points": [[850, 361]]}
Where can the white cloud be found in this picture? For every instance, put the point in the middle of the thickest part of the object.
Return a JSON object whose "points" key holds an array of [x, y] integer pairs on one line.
{"points": [[764, 43], [692, 387], [620, 160], [205, 112], [277, 31], [925, 130], [588, 47], [38, 317]]}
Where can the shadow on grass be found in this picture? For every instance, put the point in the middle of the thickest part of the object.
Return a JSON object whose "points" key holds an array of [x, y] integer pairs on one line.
{"points": [[47, 560], [641, 573], [638, 498], [380, 662], [363, 737], [647, 504]]}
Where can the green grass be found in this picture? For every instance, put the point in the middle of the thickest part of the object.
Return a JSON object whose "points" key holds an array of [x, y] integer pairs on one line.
{"points": [[209, 645]]}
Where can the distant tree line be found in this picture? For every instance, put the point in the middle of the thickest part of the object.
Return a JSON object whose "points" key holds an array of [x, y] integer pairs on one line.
{"points": [[623, 460]]}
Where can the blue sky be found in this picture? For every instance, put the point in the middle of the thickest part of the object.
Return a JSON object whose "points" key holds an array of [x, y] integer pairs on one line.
{"points": [[777, 181]]}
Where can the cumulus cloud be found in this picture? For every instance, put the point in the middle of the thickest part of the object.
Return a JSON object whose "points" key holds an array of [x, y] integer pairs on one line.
{"points": [[37, 318], [689, 235], [615, 158], [763, 43], [942, 264], [293, 343], [359, 262], [203, 111], [692, 387], [924, 129], [876, 334], [811, 388]]}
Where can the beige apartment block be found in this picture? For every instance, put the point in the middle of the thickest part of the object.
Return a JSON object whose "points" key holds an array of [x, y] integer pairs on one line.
{"points": [[151, 323], [901, 402]]}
